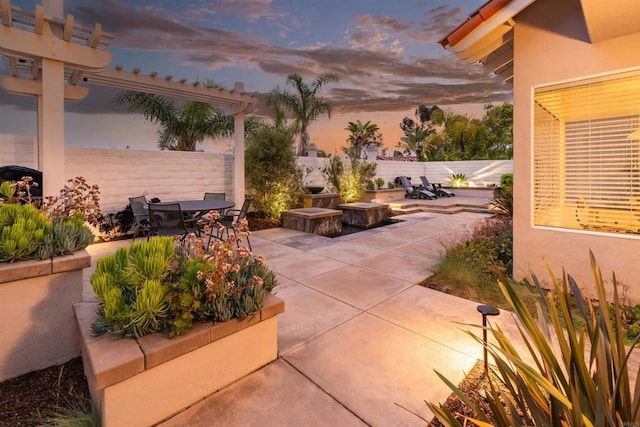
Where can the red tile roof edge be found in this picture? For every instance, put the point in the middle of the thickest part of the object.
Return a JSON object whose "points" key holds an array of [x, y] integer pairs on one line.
{"points": [[474, 20]]}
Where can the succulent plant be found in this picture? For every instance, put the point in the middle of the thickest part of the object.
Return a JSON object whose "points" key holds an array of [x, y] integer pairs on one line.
{"points": [[22, 232], [161, 283]]}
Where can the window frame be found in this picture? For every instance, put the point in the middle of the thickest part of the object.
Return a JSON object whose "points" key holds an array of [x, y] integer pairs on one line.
{"points": [[620, 213]]}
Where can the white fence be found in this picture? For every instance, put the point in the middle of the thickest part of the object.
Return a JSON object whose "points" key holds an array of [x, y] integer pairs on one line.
{"points": [[480, 173], [121, 174]]}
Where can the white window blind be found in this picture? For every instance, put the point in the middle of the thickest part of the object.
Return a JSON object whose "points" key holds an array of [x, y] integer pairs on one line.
{"points": [[586, 149]]}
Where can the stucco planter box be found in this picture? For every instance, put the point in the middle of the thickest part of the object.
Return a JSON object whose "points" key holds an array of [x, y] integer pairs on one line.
{"points": [[384, 195], [37, 325], [140, 382]]}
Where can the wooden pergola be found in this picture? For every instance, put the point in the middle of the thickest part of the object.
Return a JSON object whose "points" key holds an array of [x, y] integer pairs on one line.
{"points": [[48, 56]]}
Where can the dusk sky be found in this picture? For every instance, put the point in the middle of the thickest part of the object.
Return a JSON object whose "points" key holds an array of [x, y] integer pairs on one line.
{"points": [[385, 53]]}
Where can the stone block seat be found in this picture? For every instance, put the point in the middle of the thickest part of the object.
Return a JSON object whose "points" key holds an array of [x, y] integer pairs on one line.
{"points": [[325, 222], [364, 215], [321, 200]]}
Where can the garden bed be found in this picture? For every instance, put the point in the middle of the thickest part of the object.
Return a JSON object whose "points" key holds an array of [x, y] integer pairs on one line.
{"points": [[36, 302], [146, 380]]}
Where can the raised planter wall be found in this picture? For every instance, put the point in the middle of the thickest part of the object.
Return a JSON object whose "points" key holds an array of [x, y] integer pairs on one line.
{"points": [[140, 382], [389, 195], [37, 324]]}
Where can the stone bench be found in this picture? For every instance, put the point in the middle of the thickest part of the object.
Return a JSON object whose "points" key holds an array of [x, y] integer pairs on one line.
{"points": [[325, 222], [364, 215]]}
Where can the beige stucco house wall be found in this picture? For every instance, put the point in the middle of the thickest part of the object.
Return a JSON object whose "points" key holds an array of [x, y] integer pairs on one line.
{"points": [[552, 44]]}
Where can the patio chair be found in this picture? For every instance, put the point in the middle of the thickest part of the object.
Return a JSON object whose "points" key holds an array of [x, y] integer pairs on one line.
{"points": [[140, 215], [166, 219], [436, 188], [412, 192], [216, 196], [235, 215]]}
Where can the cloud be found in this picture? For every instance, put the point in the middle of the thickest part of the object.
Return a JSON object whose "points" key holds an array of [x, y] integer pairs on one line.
{"points": [[438, 22], [375, 73], [376, 34], [252, 10]]}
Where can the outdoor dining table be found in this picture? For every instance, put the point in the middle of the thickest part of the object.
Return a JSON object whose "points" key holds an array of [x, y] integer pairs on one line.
{"points": [[197, 208]]}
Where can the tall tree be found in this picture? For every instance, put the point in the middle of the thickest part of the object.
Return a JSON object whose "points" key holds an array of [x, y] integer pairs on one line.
{"points": [[496, 131], [362, 135], [459, 135], [419, 133], [182, 125], [305, 105]]}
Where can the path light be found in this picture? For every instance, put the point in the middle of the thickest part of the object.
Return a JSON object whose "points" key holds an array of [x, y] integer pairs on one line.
{"points": [[486, 310]]}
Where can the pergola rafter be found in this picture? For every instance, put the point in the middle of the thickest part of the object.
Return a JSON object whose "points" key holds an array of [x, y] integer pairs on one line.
{"points": [[53, 58]]}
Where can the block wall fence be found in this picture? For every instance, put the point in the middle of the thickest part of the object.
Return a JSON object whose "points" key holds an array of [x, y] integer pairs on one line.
{"points": [[168, 175]]}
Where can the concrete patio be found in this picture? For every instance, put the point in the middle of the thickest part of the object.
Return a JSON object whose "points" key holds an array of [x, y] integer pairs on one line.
{"points": [[359, 342]]}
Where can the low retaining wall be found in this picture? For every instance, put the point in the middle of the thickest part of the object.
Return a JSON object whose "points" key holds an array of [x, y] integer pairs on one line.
{"points": [[140, 382], [36, 310]]}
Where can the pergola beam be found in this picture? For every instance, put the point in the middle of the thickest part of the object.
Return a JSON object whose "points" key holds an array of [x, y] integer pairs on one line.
{"points": [[50, 50]]}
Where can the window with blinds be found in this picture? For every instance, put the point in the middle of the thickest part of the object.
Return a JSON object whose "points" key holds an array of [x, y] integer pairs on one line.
{"points": [[586, 154]]}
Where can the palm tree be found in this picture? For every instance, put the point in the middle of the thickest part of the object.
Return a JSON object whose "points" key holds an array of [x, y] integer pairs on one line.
{"points": [[362, 135], [306, 105], [181, 127], [415, 141]]}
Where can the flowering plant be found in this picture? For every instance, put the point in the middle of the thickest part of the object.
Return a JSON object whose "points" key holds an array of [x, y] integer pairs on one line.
{"points": [[28, 233], [169, 283]]}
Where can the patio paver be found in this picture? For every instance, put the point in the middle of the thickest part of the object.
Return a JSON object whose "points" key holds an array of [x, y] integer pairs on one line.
{"points": [[357, 338]]}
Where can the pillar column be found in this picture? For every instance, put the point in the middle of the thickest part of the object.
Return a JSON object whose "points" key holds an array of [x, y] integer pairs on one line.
{"points": [[238, 169], [51, 115]]}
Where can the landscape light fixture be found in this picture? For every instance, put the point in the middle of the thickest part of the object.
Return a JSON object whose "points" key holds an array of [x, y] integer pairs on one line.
{"points": [[486, 310]]}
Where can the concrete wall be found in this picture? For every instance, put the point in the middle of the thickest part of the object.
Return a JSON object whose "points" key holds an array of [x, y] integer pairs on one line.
{"points": [[551, 45]]}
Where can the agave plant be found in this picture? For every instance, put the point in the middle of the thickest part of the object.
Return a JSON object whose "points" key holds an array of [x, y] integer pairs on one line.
{"points": [[579, 375], [459, 180]]}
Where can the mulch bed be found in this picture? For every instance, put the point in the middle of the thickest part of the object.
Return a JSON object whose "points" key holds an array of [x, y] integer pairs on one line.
{"points": [[29, 399]]}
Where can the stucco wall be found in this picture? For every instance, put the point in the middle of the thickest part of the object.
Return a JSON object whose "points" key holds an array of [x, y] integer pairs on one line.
{"points": [[121, 174], [480, 172], [551, 45], [168, 175]]}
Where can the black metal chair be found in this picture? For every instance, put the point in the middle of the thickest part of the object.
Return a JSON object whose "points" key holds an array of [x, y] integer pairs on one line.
{"points": [[236, 215], [166, 219], [216, 196], [140, 215]]}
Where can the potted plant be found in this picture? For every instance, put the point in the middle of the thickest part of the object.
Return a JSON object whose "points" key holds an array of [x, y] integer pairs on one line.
{"points": [[196, 311], [41, 260]]}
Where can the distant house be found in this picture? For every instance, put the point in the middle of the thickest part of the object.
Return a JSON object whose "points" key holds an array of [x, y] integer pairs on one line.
{"points": [[575, 70]]}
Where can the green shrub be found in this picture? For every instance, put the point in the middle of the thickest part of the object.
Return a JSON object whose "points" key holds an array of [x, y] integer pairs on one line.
{"points": [[153, 285], [580, 372], [506, 180], [379, 182], [486, 249], [349, 181], [271, 169]]}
